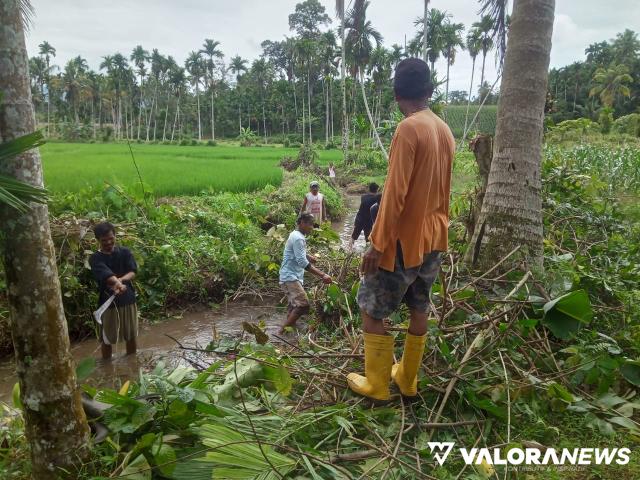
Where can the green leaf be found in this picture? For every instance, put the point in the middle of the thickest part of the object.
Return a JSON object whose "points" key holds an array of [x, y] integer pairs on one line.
{"points": [[626, 423], [630, 370], [165, 457], [556, 390], [15, 395], [280, 379], [138, 469], [464, 294], [566, 314], [85, 368]]}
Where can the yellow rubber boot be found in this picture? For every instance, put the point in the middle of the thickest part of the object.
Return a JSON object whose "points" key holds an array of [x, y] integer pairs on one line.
{"points": [[378, 358], [405, 373]]}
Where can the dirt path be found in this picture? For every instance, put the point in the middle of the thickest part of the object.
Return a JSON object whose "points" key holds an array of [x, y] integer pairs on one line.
{"points": [[193, 328]]}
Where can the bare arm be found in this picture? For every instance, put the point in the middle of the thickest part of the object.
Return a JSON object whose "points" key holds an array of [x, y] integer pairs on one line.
{"points": [[304, 205]]}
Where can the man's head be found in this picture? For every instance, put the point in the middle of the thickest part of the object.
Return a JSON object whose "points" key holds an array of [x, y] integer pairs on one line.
{"points": [[412, 83], [314, 187], [373, 187], [305, 223], [105, 233]]}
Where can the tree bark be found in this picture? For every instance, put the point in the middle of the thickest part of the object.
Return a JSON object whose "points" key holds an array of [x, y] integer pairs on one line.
{"points": [[55, 424], [512, 209], [373, 126]]}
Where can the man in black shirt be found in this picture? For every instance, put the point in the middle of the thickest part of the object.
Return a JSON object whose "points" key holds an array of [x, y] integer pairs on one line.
{"points": [[363, 221], [114, 268]]}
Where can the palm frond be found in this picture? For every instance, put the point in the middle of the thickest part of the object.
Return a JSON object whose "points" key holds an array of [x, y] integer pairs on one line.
{"points": [[14, 193], [26, 13], [497, 11]]}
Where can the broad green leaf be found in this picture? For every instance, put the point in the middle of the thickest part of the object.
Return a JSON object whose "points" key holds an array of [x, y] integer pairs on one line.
{"points": [[280, 379], [565, 315], [630, 370], [15, 395], [626, 423], [85, 368], [165, 457], [138, 469], [556, 390]]}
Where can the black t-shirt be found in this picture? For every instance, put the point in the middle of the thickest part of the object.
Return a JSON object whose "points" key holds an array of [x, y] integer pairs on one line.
{"points": [[366, 202], [118, 263]]}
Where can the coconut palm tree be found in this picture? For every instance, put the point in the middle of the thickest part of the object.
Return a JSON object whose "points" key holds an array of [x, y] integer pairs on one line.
{"points": [[196, 68], [484, 28], [55, 425], [47, 51], [139, 57], [436, 23], [158, 69], [610, 84], [238, 66], [396, 55], [211, 50], [360, 38], [511, 214], [340, 13], [451, 40], [474, 45], [177, 80], [425, 32]]}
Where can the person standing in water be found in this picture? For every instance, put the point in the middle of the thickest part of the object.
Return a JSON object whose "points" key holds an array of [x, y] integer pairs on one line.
{"points": [[314, 203], [363, 221]]}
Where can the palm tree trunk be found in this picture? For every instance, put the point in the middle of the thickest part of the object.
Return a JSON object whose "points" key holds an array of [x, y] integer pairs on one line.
{"points": [[198, 103], [213, 117], [154, 104], [373, 126], [484, 58], [55, 424], [166, 114], [239, 118], [140, 108], [304, 127], [343, 75], [425, 25], [325, 91], [511, 214], [264, 122], [446, 92], [309, 100], [466, 115], [175, 118]]}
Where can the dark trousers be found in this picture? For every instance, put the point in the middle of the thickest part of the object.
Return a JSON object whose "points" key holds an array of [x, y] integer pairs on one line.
{"points": [[360, 226]]}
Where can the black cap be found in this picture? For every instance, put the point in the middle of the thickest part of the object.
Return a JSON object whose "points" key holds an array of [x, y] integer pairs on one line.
{"points": [[412, 79]]}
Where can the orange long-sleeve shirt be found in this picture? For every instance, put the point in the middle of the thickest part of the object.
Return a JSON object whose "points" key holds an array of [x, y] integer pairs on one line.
{"points": [[415, 204]]}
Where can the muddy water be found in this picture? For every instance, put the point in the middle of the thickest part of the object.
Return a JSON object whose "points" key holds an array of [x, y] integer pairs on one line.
{"points": [[155, 341], [193, 329], [345, 227]]}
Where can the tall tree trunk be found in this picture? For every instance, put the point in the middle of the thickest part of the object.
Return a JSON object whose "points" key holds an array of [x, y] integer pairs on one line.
{"points": [[166, 114], [175, 118], [304, 127], [309, 102], [213, 117], [48, 106], [373, 126], [446, 92], [264, 122], [140, 107], [55, 424], [343, 82], [466, 115], [484, 58], [239, 118], [325, 91], [154, 104], [199, 122], [425, 25], [511, 213]]}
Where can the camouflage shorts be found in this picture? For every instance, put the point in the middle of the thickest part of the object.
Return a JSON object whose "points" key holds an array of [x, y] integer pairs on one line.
{"points": [[381, 293]]}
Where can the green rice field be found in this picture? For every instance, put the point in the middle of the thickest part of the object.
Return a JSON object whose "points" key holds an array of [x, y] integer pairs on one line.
{"points": [[165, 169], [454, 115]]}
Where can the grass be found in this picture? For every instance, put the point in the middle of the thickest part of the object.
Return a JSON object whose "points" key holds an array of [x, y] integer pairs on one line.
{"points": [[165, 169]]}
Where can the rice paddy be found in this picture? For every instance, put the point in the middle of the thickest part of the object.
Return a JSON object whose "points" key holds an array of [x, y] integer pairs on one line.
{"points": [[165, 169]]}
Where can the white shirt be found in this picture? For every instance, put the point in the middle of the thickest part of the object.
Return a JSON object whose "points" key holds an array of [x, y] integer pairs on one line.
{"points": [[332, 172], [314, 205]]}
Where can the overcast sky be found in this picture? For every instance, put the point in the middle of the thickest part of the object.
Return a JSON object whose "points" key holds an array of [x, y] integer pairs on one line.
{"points": [[94, 28]]}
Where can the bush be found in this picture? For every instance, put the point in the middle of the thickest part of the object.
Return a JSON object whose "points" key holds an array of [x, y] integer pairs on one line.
{"points": [[605, 119], [166, 142], [212, 143], [184, 143], [628, 124], [194, 142], [330, 146], [307, 155]]}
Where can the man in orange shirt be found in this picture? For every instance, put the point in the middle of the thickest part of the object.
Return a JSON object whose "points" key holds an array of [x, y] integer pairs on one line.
{"points": [[408, 236]]}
